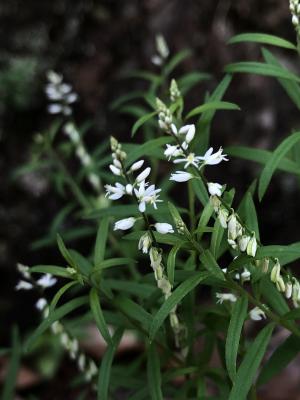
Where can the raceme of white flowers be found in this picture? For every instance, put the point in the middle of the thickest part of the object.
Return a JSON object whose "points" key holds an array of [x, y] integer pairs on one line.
{"points": [[162, 51], [295, 11], [84, 363], [83, 155], [60, 94]]}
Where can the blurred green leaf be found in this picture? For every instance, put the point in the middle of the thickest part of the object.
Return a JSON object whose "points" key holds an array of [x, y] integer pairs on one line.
{"points": [[262, 38], [153, 372]]}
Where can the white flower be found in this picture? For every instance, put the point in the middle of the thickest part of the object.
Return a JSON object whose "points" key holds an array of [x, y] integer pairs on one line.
{"points": [[47, 281], [55, 108], [129, 189], [190, 159], [189, 131], [243, 242], [24, 270], [115, 170], [147, 195], [234, 227], [145, 243], [124, 224], [23, 285], [223, 216], [156, 60], [252, 246], [115, 192], [143, 175], [226, 297], [181, 176], [41, 304], [137, 165], [215, 189], [117, 163], [163, 227], [244, 276], [172, 151], [232, 243], [288, 290], [257, 314], [155, 258], [296, 293], [211, 158], [81, 362]]}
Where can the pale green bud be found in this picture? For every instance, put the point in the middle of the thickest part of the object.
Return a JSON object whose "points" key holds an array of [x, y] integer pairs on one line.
{"points": [[174, 91], [252, 246], [216, 203], [155, 257], [243, 242], [223, 216], [275, 273]]}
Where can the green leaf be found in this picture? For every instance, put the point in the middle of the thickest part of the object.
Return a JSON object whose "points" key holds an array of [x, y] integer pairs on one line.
{"points": [[98, 315], [273, 297], [177, 59], [239, 313], [210, 264], [214, 105], [153, 372], [146, 149], [281, 357], [262, 38], [171, 263], [60, 293], [125, 98], [201, 140], [200, 191], [179, 293], [57, 314], [204, 218], [106, 364], [252, 67], [8, 392], [250, 364], [101, 241], [175, 215], [51, 269], [291, 88], [113, 262], [285, 254], [249, 215], [262, 157], [272, 164], [133, 311], [189, 80], [65, 252], [141, 121]]}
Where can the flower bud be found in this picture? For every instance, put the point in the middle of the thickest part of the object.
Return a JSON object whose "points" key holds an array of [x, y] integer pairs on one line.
{"points": [[164, 228], [145, 243], [288, 290], [124, 224], [296, 293], [252, 246], [137, 165], [115, 170], [143, 175], [223, 217], [275, 273], [216, 203], [243, 242], [155, 257]]}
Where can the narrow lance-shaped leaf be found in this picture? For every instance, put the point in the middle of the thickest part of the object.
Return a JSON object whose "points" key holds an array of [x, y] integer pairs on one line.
{"points": [[171, 263], [98, 315], [214, 105], [147, 148], [106, 363], [249, 366], [262, 38], [9, 386], [179, 293], [272, 164], [153, 372], [281, 357], [101, 241], [262, 156], [239, 312], [141, 121], [252, 67], [211, 265]]}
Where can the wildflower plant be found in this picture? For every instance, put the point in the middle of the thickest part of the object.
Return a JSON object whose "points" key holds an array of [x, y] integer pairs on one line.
{"points": [[180, 269]]}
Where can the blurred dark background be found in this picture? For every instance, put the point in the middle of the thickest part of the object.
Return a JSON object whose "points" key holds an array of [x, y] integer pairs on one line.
{"points": [[93, 43]]}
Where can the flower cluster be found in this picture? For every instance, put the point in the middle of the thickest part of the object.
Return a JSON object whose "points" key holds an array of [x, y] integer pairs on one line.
{"points": [[179, 152], [162, 51], [138, 187], [81, 152], [295, 11], [69, 343], [44, 282], [60, 94]]}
